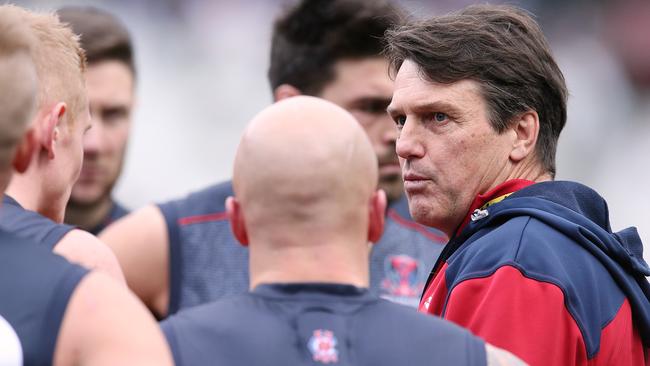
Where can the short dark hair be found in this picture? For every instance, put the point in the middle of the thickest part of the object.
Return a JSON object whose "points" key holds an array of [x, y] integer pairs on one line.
{"points": [[310, 37], [504, 50], [103, 36]]}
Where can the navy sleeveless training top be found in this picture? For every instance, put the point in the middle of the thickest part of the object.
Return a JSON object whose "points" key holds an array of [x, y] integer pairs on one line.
{"points": [[316, 324], [31, 225], [36, 286], [207, 263]]}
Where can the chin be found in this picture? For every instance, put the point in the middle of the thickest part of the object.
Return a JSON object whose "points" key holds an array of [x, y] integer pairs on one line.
{"points": [[85, 198]]}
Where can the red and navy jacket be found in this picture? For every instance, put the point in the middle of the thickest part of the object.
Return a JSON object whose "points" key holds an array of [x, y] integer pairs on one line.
{"points": [[541, 274]]}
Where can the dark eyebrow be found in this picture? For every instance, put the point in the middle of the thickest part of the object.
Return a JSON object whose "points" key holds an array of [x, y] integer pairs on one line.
{"points": [[438, 106]]}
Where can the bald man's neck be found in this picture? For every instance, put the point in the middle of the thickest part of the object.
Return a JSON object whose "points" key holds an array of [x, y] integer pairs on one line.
{"points": [[325, 262]]}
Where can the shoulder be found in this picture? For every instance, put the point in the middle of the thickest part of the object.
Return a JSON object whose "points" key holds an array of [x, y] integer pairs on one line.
{"points": [[32, 225], [81, 247], [205, 201], [235, 311]]}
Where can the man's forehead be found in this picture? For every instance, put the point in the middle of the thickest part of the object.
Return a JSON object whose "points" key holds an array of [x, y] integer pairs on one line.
{"points": [[412, 90]]}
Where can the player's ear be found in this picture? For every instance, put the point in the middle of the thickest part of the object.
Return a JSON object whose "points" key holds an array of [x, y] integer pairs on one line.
{"points": [[237, 225], [49, 126], [526, 131], [285, 91], [376, 215]]}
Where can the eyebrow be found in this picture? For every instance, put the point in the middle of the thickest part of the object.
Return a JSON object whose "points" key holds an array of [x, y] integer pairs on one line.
{"points": [[437, 106]]}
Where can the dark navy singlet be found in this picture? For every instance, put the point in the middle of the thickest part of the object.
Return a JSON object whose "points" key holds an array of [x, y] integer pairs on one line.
{"points": [[36, 286], [316, 324], [207, 263], [31, 225]]}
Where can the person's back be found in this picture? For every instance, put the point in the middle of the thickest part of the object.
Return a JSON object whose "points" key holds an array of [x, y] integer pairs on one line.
{"points": [[307, 220], [307, 324], [36, 287]]}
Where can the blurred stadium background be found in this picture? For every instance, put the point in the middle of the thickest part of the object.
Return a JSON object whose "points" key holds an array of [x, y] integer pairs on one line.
{"points": [[202, 75]]}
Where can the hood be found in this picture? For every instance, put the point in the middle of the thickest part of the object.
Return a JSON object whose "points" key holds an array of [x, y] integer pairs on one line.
{"points": [[581, 214]]}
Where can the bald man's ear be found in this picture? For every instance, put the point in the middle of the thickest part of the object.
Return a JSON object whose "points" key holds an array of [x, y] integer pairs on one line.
{"points": [[234, 213], [376, 215], [285, 91], [49, 128], [526, 130]]}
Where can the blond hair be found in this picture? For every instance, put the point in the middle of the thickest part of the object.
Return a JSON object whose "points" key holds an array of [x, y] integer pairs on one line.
{"points": [[18, 83], [59, 59]]}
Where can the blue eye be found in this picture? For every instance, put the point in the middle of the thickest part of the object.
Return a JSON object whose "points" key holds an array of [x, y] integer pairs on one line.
{"points": [[400, 121], [440, 117]]}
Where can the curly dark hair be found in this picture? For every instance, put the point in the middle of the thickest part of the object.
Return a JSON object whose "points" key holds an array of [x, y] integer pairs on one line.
{"points": [[504, 50], [311, 36]]}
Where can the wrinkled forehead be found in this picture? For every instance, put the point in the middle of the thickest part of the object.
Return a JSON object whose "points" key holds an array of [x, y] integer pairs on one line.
{"points": [[413, 92]]}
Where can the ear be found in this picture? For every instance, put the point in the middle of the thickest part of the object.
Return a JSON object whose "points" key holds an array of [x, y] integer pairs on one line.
{"points": [[50, 126], [237, 225], [25, 150], [376, 215], [285, 91], [526, 130]]}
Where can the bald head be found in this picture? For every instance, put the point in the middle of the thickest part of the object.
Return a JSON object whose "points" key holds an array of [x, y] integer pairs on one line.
{"points": [[18, 84], [304, 161]]}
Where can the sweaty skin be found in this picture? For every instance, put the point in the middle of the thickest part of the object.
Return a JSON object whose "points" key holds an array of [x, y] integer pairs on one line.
{"points": [[282, 200]]}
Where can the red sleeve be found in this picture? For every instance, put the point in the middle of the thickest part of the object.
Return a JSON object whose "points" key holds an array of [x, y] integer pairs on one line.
{"points": [[522, 315]]}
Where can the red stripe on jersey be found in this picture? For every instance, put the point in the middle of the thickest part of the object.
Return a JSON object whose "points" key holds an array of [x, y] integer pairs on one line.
{"points": [[417, 227], [189, 220]]}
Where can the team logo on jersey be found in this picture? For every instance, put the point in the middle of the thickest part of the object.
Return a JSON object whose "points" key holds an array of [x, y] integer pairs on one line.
{"points": [[403, 276], [322, 345]]}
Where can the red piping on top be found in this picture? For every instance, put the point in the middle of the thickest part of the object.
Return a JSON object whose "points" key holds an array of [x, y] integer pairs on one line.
{"points": [[189, 220]]}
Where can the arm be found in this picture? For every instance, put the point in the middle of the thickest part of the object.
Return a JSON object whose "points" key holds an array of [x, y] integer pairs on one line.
{"points": [[140, 242], [83, 248], [519, 314], [499, 357], [104, 324]]}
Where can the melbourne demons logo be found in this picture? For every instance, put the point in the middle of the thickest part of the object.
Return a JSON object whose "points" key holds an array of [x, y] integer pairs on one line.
{"points": [[403, 276], [323, 346]]}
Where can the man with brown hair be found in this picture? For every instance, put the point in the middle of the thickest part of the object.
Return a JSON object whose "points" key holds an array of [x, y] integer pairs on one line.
{"points": [[110, 81], [532, 265], [34, 201], [53, 312]]}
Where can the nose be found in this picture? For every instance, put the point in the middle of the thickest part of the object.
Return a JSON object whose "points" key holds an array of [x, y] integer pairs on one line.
{"points": [[409, 144]]}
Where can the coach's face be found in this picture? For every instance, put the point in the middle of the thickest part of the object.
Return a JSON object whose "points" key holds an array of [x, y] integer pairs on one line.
{"points": [[110, 92], [363, 87], [448, 150]]}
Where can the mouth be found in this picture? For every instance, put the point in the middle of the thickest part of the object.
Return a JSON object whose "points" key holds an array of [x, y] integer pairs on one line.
{"points": [[414, 182]]}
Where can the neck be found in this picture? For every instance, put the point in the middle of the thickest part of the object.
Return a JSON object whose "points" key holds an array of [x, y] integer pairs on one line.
{"points": [[90, 216], [528, 170], [329, 261], [31, 193]]}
